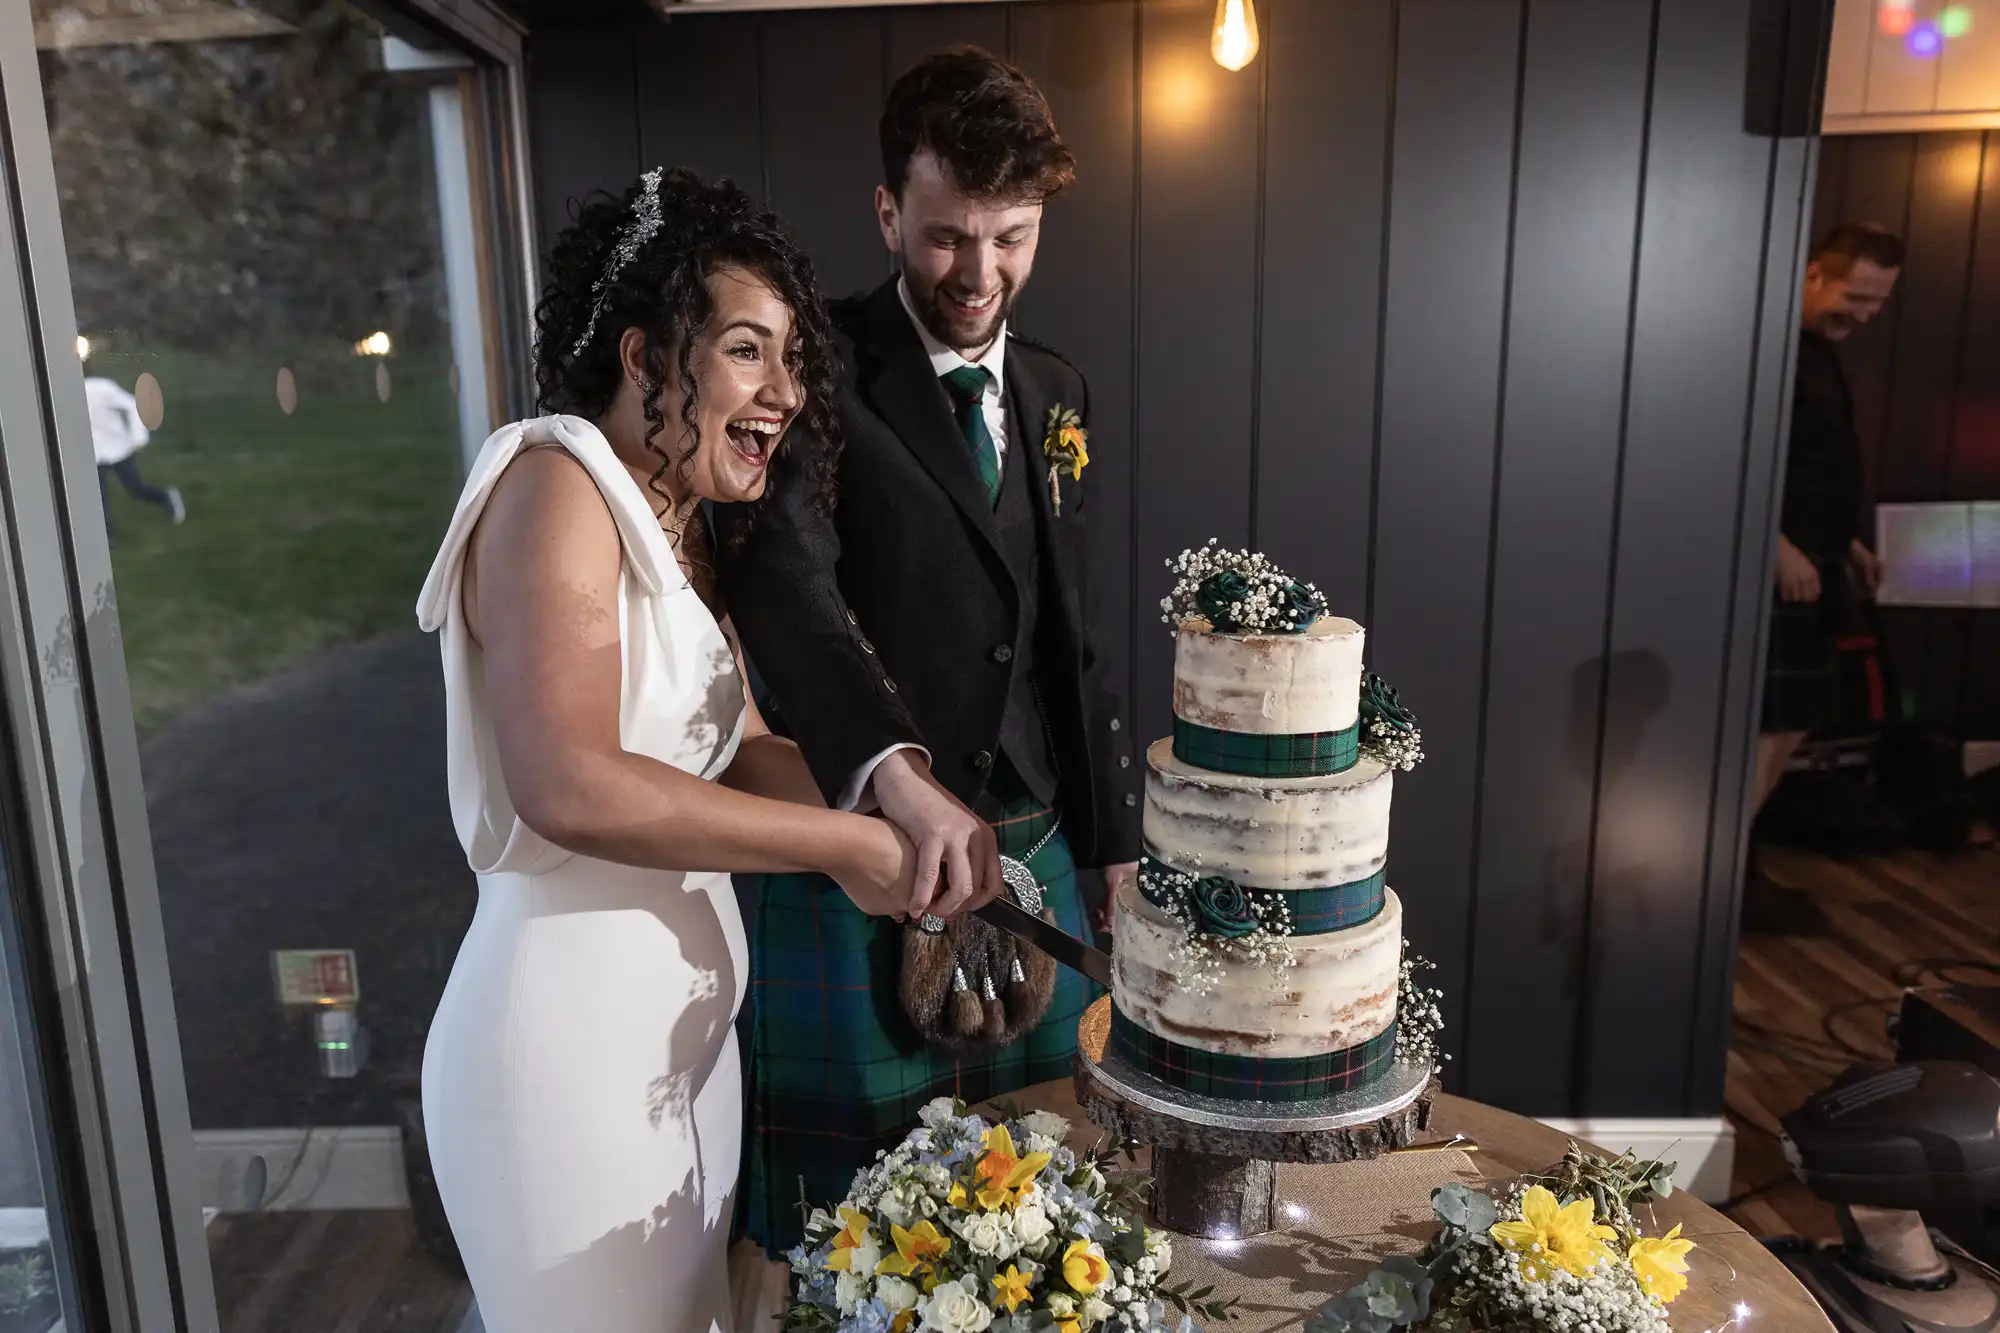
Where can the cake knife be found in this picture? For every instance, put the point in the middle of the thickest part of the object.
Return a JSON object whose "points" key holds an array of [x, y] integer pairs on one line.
{"points": [[1057, 943]]}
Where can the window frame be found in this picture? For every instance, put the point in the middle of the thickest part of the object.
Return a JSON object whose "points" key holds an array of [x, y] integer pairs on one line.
{"points": [[72, 803]]}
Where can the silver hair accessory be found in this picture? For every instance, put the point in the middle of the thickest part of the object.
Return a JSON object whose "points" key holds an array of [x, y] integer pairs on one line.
{"points": [[645, 226]]}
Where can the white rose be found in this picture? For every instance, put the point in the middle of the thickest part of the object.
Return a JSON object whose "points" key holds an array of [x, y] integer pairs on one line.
{"points": [[1095, 1311], [866, 1255], [849, 1290], [895, 1294], [986, 1234], [938, 1111], [953, 1308], [1161, 1249], [1032, 1224], [1047, 1124], [1062, 1305]]}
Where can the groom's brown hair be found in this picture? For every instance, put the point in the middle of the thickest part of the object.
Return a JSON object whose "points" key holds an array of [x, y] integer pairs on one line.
{"points": [[983, 119]]}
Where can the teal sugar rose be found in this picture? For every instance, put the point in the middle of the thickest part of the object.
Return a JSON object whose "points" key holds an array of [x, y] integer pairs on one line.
{"points": [[1222, 909], [1221, 596]]}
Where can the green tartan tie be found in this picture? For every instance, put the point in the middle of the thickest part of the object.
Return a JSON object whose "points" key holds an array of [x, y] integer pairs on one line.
{"points": [[966, 387]]}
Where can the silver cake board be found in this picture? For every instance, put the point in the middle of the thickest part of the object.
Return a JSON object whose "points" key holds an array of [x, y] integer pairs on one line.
{"points": [[1214, 1160]]}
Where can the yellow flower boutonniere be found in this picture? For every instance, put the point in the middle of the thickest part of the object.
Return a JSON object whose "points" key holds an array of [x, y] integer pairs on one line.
{"points": [[1067, 447]]}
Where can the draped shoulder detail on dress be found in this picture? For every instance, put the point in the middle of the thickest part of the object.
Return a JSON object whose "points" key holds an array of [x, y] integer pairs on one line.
{"points": [[681, 697], [646, 551]]}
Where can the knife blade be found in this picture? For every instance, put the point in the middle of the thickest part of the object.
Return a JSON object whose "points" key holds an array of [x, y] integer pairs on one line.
{"points": [[1057, 943]]}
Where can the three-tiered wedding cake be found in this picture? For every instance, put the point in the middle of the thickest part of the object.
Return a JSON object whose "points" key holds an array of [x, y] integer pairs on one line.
{"points": [[1259, 954]]}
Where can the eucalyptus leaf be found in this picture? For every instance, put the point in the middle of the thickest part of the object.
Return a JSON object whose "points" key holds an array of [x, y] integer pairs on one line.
{"points": [[1467, 1209]]}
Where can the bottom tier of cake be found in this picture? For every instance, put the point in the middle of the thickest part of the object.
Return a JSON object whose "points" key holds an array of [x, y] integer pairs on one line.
{"points": [[1246, 1029]]}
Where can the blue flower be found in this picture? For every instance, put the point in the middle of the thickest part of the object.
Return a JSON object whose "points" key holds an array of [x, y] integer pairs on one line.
{"points": [[871, 1316]]}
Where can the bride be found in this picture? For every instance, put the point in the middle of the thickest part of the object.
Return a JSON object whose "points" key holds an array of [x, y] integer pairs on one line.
{"points": [[581, 1089]]}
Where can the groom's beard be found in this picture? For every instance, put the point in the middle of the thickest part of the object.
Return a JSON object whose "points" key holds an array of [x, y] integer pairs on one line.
{"points": [[957, 332]]}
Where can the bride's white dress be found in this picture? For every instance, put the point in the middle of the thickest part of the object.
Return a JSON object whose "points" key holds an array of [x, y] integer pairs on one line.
{"points": [[581, 1087]]}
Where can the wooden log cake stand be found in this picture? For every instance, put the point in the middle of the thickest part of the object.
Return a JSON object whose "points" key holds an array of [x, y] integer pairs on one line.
{"points": [[1214, 1161]]}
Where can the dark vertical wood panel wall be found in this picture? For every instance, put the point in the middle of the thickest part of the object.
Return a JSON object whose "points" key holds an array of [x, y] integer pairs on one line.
{"points": [[1477, 312], [1926, 381]]}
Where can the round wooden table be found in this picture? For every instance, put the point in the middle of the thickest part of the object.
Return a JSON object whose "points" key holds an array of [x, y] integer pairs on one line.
{"points": [[1736, 1269]]}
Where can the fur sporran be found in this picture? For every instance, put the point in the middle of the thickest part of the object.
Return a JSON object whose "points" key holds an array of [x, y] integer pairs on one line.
{"points": [[972, 987]]}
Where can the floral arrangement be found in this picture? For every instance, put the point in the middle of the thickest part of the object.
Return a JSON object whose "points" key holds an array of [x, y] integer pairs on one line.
{"points": [[1561, 1250], [1239, 592], [1218, 917], [1388, 729], [969, 1226]]}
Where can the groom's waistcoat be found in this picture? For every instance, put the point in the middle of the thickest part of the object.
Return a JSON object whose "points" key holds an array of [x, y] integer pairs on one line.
{"points": [[1024, 733]]}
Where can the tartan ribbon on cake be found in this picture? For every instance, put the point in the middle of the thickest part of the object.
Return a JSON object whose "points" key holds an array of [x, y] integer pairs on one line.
{"points": [[1308, 911], [1249, 1077], [1306, 754], [1322, 911]]}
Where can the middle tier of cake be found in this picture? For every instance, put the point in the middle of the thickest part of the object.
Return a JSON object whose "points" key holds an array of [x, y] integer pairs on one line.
{"points": [[1339, 993], [1267, 833]]}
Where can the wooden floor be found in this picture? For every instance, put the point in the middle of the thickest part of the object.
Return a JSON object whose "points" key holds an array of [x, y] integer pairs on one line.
{"points": [[331, 1272], [365, 1272], [1828, 945]]}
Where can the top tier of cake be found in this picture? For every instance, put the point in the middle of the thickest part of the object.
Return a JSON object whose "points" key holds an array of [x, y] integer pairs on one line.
{"points": [[1269, 684]]}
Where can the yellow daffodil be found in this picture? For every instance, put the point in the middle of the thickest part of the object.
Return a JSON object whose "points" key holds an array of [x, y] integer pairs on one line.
{"points": [[853, 1235], [1085, 1267], [1661, 1265], [1004, 1177], [1071, 1325], [1010, 1288], [901, 1323], [916, 1248], [1550, 1236], [1070, 440], [957, 1196]]}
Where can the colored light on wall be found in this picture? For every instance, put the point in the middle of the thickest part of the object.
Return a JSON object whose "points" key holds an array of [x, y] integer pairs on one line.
{"points": [[1924, 41], [1955, 21], [1896, 19]]}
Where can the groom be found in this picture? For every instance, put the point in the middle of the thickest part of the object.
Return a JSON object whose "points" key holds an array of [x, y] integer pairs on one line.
{"points": [[926, 645]]}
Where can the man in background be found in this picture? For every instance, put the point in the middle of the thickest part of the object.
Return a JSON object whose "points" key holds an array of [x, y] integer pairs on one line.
{"points": [[118, 434], [1824, 561]]}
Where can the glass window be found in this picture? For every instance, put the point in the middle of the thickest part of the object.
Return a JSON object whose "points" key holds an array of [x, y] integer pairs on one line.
{"points": [[39, 1288], [281, 242]]}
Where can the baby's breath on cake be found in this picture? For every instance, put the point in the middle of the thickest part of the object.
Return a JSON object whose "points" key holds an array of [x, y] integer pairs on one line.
{"points": [[1239, 592], [1218, 920], [1419, 1016], [1389, 731]]}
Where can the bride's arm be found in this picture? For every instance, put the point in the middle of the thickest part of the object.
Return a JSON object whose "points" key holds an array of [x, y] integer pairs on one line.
{"points": [[544, 608], [767, 765]]}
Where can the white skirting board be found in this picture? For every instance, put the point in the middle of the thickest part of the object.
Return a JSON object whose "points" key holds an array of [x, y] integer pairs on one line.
{"points": [[1704, 1150], [337, 1166]]}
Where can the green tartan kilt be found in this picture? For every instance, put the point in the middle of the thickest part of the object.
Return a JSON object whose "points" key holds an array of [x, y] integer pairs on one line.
{"points": [[836, 1072]]}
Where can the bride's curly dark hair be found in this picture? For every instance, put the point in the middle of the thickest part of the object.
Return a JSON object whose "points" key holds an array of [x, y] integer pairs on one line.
{"points": [[663, 291]]}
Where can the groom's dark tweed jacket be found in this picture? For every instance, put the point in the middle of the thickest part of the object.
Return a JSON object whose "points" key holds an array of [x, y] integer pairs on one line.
{"points": [[901, 618]]}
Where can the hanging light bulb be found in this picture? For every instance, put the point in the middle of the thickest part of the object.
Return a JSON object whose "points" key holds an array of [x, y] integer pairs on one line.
{"points": [[1234, 44]]}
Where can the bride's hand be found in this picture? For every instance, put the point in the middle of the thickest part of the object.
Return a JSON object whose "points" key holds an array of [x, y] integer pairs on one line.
{"points": [[881, 869]]}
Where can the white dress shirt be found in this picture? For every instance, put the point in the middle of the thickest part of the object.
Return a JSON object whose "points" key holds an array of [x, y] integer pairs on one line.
{"points": [[857, 795], [993, 360]]}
